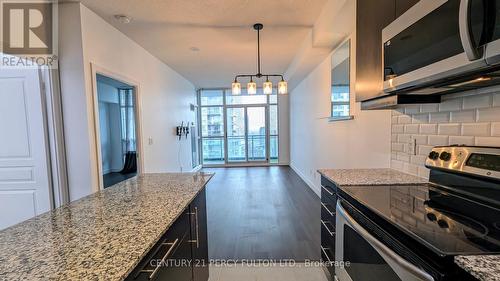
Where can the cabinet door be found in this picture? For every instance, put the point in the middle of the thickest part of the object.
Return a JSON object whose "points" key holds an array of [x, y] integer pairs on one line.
{"points": [[199, 237], [371, 17], [403, 5], [170, 258]]}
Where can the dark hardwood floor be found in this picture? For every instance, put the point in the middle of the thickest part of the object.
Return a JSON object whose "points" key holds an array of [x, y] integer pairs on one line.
{"points": [[262, 213]]}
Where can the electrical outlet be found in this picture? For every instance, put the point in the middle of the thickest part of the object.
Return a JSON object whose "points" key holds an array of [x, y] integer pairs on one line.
{"points": [[412, 146], [150, 141]]}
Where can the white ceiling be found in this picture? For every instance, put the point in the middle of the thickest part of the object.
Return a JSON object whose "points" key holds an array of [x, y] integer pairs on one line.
{"points": [[221, 29]]}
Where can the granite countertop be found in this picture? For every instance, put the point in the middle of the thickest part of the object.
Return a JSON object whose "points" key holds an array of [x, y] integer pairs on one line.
{"points": [[350, 177], [100, 237], [484, 268]]}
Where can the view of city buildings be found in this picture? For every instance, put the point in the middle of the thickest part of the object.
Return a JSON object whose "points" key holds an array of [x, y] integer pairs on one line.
{"points": [[246, 124]]}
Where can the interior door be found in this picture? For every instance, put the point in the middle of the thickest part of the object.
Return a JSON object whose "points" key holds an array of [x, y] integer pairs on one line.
{"points": [[256, 133], [24, 175]]}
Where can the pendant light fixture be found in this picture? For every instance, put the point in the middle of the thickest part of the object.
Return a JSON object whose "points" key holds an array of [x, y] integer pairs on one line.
{"points": [[267, 86]]}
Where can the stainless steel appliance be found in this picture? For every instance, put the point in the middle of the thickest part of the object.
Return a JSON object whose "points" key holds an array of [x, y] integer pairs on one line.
{"points": [[413, 232], [442, 46]]}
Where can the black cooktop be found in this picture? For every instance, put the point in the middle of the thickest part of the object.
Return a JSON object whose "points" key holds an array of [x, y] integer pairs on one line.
{"points": [[445, 219]]}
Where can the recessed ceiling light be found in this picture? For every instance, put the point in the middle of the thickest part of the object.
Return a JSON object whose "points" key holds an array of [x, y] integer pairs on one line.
{"points": [[123, 19], [194, 49]]}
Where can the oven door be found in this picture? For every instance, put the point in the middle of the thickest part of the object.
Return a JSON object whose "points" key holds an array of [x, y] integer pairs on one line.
{"points": [[366, 258]]}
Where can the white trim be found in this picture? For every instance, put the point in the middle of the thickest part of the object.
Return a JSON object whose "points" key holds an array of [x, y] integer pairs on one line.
{"points": [[55, 134], [244, 164], [311, 185], [95, 69]]}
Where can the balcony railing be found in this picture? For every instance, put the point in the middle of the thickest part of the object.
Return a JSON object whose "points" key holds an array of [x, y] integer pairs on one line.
{"points": [[213, 152]]}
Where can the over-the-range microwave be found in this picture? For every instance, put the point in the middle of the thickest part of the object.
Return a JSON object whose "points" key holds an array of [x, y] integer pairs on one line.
{"points": [[442, 46]]}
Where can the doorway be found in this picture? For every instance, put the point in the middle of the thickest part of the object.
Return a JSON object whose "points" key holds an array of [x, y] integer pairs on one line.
{"points": [[117, 130]]}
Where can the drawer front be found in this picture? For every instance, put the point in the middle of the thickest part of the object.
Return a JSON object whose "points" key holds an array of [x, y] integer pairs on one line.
{"points": [[162, 260], [328, 190], [328, 258]]}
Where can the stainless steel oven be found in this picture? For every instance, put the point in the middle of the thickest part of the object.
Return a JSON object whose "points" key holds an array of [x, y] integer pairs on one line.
{"points": [[441, 46], [365, 256]]}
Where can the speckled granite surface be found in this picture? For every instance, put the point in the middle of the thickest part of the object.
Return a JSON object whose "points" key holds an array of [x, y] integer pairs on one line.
{"points": [[484, 268], [100, 237], [348, 177]]}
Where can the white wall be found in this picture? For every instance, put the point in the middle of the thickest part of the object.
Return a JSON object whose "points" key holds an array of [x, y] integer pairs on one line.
{"points": [[164, 96], [317, 143], [471, 118]]}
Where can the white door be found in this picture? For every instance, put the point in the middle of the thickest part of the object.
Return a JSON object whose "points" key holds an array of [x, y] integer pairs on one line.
{"points": [[24, 176]]}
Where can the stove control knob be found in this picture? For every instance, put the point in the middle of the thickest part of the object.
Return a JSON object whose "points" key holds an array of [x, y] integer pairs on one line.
{"points": [[433, 155], [443, 224], [445, 156], [431, 217]]}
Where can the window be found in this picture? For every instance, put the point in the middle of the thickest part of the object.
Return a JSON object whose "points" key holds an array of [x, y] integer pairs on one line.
{"points": [[238, 129], [340, 91]]}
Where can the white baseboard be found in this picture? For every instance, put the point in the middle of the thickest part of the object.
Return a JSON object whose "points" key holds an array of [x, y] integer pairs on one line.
{"points": [[311, 185], [196, 169]]}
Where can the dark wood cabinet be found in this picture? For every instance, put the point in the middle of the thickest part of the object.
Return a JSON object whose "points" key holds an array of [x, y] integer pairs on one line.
{"points": [[371, 17], [198, 211], [403, 5], [182, 253]]}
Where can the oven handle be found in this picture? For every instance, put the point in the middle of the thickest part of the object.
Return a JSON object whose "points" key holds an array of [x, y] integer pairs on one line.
{"points": [[379, 246], [471, 51]]}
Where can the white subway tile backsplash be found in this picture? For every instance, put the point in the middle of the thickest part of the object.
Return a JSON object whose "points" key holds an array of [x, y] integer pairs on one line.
{"points": [[495, 129], [420, 118], [398, 147], [478, 101], [467, 118], [463, 116], [496, 100], [412, 128], [438, 140], [449, 129], [424, 149], [429, 107], [488, 141], [488, 114], [442, 117], [412, 109], [398, 129], [428, 129], [476, 129], [462, 140], [404, 138], [450, 105], [404, 119], [419, 139]]}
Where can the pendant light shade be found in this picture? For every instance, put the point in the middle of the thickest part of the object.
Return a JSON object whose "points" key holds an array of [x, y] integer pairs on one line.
{"points": [[252, 88], [268, 87], [282, 87], [236, 88]]}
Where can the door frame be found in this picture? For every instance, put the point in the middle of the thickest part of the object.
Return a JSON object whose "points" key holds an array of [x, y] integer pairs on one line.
{"points": [[95, 70]]}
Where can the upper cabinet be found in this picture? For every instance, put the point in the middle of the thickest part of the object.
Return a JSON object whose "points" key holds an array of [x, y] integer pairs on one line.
{"points": [[403, 5], [371, 18]]}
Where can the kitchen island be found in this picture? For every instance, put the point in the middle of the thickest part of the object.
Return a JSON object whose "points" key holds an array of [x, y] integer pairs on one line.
{"points": [[103, 236]]}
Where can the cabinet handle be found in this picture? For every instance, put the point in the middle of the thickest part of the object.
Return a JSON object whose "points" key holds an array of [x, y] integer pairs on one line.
{"points": [[327, 191], [197, 241], [328, 210], [326, 254], [155, 271], [332, 233]]}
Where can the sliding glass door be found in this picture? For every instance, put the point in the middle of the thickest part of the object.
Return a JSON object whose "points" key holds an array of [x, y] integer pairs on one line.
{"points": [[256, 136], [245, 128]]}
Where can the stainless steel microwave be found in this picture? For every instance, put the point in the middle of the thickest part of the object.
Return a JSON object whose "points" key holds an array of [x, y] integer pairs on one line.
{"points": [[443, 46]]}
